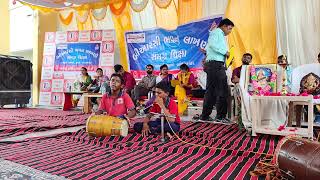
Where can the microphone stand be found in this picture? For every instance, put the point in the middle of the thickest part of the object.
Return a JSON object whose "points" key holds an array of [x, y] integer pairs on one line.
{"points": [[162, 119], [162, 139]]}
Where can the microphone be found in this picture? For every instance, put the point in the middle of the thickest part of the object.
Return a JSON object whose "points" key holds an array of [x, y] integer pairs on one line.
{"points": [[147, 108], [149, 104]]}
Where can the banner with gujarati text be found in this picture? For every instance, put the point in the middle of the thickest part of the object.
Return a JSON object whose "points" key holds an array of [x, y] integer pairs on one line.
{"points": [[65, 53], [160, 46]]}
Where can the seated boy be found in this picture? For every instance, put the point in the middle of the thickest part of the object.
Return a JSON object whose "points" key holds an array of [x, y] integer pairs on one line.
{"points": [[162, 104], [116, 102]]}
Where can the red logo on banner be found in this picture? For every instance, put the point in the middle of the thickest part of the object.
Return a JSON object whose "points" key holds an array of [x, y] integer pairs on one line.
{"points": [[72, 36], [56, 98], [46, 85], [48, 61], [96, 35], [108, 70], [84, 36], [58, 75], [67, 85], [50, 37], [108, 46]]}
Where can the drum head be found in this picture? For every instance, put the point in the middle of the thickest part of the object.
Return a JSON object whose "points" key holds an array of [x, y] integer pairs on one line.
{"points": [[124, 128]]}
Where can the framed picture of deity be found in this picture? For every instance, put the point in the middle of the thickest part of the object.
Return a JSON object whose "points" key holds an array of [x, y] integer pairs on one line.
{"points": [[261, 79]]}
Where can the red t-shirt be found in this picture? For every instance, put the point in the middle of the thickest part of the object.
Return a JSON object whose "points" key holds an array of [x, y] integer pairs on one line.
{"points": [[236, 72], [171, 105], [116, 106], [129, 81]]}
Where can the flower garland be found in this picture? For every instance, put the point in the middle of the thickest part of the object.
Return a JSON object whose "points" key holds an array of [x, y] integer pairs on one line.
{"points": [[258, 89]]}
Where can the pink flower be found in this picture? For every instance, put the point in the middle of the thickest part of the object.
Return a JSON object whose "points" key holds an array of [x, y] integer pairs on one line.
{"points": [[280, 128], [273, 78], [316, 97], [252, 70], [276, 94], [267, 88], [267, 93], [304, 94], [290, 94]]}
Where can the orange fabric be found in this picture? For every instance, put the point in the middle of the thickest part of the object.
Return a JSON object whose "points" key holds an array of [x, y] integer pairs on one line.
{"points": [[117, 8], [166, 18], [122, 23], [254, 31], [67, 20], [189, 10]]}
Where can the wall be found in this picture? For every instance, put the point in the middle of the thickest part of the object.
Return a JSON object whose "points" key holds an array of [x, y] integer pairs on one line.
{"points": [[4, 30], [44, 22], [21, 28]]}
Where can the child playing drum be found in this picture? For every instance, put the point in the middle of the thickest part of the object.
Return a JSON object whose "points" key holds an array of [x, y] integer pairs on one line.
{"points": [[166, 106], [116, 102]]}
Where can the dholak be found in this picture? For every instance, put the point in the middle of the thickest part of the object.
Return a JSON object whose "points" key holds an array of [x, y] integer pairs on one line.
{"points": [[298, 158], [102, 125]]}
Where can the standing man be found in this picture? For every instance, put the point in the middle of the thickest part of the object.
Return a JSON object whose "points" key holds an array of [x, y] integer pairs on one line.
{"points": [[129, 81], [217, 85]]}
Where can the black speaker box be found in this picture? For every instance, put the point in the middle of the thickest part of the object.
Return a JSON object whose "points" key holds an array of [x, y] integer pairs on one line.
{"points": [[15, 80]]}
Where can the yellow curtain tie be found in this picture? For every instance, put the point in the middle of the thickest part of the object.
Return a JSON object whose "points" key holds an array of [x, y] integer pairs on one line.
{"points": [[67, 20]]}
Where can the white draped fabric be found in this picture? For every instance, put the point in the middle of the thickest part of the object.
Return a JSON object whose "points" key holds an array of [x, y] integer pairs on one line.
{"points": [[273, 112], [144, 19], [299, 72], [106, 23], [213, 7], [298, 30]]}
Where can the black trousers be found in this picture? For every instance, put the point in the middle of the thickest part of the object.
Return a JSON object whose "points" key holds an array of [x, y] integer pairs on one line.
{"points": [[216, 91]]}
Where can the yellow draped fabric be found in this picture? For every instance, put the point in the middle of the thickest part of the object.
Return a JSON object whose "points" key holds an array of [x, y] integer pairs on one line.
{"points": [[162, 3], [166, 18], [254, 31], [82, 16], [189, 10], [122, 23], [87, 25], [182, 98]]}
